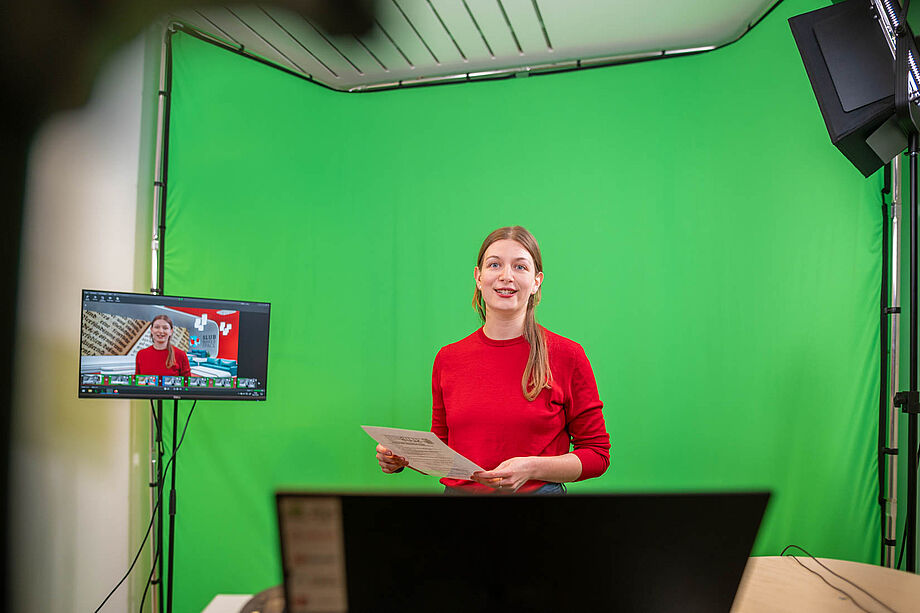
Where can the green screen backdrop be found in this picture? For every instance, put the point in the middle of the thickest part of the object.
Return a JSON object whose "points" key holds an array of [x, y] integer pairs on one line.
{"points": [[716, 257]]}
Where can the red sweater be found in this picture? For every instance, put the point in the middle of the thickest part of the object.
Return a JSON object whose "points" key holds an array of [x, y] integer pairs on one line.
{"points": [[480, 410], [152, 361]]}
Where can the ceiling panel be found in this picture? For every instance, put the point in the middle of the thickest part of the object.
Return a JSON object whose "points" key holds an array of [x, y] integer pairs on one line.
{"points": [[489, 18], [303, 42], [229, 23], [424, 41], [423, 19], [405, 36], [526, 25], [458, 22], [380, 45], [280, 40]]}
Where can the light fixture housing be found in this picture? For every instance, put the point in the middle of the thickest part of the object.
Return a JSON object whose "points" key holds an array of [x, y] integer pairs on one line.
{"points": [[849, 53]]}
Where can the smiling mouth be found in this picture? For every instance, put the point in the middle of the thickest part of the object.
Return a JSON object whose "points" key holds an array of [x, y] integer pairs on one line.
{"points": [[506, 292]]}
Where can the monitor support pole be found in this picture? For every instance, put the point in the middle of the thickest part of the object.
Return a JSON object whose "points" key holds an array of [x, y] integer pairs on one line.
{"points": [[158, 279], [172, 510], [158, 557]]}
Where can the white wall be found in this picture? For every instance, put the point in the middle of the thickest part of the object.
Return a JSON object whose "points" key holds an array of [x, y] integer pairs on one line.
{"points": [[74, 462]]}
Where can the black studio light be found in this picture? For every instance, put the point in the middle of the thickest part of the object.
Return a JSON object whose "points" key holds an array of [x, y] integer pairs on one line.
{"points": [[850, 54], [861, 59]]}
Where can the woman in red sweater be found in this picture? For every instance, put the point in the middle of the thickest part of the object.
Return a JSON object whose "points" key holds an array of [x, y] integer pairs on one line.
{"points": [[513, 397], [162, 358]]}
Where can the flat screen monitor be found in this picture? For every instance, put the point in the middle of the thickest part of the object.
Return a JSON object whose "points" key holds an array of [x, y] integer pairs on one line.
{"points": [[149, 346], [575, 553]]}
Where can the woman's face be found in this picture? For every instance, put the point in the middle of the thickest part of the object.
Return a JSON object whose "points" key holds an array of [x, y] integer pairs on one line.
{"points": [[508, 277], [160, 331]]}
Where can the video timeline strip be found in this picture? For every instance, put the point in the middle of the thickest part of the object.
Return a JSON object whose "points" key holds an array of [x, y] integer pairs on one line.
{"points": [[96, 382]]}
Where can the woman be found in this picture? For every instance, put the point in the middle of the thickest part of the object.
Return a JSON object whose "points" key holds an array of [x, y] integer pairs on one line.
{"points": [[162, 358], [513, 395]]}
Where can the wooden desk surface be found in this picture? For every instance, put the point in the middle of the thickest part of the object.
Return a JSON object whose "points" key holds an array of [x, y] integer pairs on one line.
{"points": [[772, 584], [780, 584]]}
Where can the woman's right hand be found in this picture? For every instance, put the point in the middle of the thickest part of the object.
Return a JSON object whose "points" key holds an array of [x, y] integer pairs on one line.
{"points": [[390, 463]]}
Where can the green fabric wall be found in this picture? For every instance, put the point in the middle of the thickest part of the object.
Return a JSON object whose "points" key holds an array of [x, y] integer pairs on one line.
{"points": [[714, 254]]}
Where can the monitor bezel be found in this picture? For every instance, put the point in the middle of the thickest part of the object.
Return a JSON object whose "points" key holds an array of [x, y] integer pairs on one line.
{"points": [[133, 393]]}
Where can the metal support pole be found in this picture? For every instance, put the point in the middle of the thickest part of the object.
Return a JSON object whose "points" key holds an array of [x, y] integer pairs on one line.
{"points": [[172, 511], [894, 352], [157, 282], [156, 495], [911, 519]]}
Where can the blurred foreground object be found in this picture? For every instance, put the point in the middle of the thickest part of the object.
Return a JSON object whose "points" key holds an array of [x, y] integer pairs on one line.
{"points": [[50, 51]]}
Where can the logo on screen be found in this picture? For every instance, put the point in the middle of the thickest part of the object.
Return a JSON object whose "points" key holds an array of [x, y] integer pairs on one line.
{"points": [[194, 341]]}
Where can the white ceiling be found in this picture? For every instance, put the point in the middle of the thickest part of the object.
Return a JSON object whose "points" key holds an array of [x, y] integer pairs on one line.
{"points": [[415, 42]]}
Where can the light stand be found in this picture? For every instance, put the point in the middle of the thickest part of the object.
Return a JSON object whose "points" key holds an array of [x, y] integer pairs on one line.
{"points": [[912, 408], [909, 402], [890, 335], [848, 49]]}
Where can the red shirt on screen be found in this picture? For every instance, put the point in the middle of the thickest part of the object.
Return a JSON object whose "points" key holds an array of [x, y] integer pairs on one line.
{"points": [[152, 361]]}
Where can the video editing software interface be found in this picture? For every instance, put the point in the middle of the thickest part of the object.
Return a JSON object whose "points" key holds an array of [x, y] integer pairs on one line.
{"points": [[223, 342]]}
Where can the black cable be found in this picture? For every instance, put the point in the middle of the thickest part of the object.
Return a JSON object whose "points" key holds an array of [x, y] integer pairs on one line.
{"points": [[139, 551], [904, 533], [160, 542], [853, 600], [153, 515], [846, 595], [904, 530], [885, 300], [160, 485], [156, 421], [160, 452], [153, 568]]}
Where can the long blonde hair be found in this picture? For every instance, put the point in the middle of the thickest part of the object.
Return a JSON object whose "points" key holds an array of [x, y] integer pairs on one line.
{"points": [[537, 375], [170, 355]]}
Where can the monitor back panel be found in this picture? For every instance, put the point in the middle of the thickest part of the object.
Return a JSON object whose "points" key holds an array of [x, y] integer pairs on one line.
{"points": [[653, 552]]}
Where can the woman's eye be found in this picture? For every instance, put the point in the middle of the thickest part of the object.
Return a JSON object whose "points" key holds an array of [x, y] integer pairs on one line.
{"points": [[521, 267], [493, 265]]}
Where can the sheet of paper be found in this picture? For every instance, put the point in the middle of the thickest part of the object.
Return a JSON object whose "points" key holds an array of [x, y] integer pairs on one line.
{"points": [[425, 451]]}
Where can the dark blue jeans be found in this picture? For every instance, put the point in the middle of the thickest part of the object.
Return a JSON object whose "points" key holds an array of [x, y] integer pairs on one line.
{"points": [[550, 489], [547, 489]]}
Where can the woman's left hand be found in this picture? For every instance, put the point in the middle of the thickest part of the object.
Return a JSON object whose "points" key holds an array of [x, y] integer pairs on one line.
{"points": [[508, 476]]}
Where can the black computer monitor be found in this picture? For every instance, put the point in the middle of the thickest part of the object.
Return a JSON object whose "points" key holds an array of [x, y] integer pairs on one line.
{"points": [[214, 349], [654, 553]]}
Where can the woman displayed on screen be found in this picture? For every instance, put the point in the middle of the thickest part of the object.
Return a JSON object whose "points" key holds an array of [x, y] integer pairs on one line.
{"points": [[513, 396], [162, 358]]}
